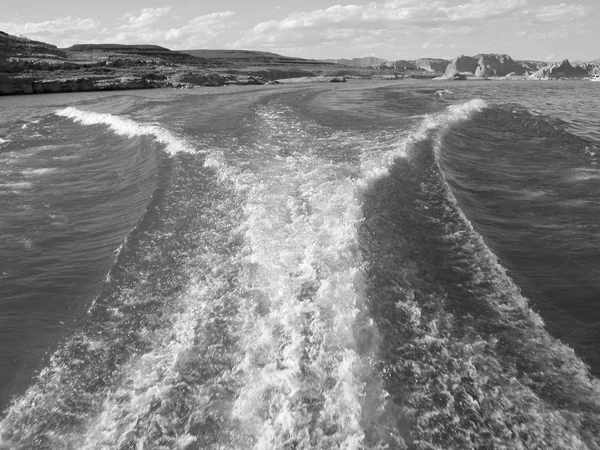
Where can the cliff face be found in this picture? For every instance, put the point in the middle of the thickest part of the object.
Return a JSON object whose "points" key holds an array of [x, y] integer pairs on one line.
{"points": [[563, 69], [432, 64], [485, 65], [532, 66], [592, 68], [462, 64]]}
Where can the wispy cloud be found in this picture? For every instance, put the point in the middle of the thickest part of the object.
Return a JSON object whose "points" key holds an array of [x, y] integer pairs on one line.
{"points": [[58, 27], [409, 23], [390, 19], [561, 13], [144, 18], [201, 29], [196, 32]]}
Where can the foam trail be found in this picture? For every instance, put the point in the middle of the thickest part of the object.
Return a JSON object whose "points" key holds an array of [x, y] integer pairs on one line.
{"points": [[309, 346], [127, 127], [36, 172]]}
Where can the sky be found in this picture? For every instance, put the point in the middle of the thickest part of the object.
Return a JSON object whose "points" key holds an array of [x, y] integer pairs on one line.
{"points": [[546, 30]]}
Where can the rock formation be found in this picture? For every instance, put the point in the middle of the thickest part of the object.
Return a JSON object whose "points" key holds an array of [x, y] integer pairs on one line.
{"points": [[432, 64], [532, 66], [485, 65], [562, 69]]}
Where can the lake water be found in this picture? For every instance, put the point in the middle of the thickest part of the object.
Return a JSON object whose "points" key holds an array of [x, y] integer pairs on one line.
{"points": [[361, 265]]}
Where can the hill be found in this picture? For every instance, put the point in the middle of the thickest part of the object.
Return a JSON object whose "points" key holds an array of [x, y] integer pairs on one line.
{"points": [[96, 51], [247, 58], [21, 47]]}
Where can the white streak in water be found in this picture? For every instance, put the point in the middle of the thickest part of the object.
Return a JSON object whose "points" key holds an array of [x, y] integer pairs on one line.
{"points": [[127, 127]]}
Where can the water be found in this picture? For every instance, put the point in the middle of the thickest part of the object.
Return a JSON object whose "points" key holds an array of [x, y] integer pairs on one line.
{"points": [[355, 266]]}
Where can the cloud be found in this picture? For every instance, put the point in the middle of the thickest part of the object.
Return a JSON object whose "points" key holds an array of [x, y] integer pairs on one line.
{"points": [[198, 31], [561, 13], [409, 23], [58, 27], [391, 21], [391, 13], [201, 30], [549, 57], [144, 18]]}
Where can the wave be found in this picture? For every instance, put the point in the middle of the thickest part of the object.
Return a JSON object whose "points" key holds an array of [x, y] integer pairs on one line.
{"points": [[16, 186], [311, 289], [127, 127], [375, 168], [37, 172], [469, 359]]}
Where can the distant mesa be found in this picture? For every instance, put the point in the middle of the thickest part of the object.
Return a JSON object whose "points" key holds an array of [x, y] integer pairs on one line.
{"points": [[247, 57], [144, 50]]}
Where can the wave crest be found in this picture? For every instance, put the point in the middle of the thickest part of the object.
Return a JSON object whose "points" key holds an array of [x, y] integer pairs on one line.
{"points": [[127, 127]]}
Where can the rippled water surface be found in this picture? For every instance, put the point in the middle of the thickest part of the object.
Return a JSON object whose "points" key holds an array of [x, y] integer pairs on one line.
{"points": [[356, 266]]}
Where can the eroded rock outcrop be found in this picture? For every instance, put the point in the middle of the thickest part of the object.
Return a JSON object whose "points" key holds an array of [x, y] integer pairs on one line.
{"points": [[432, 64], [18, 86], [485, 65], [561, 69]]}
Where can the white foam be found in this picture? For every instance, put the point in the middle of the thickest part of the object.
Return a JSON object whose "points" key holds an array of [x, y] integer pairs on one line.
{"points": [[308, 344], [127, 127], [375, 166], [16, 186], [37, 172]]}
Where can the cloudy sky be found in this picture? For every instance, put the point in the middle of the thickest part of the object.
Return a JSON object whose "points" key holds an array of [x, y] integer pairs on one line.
{"points": [[390, 29]]}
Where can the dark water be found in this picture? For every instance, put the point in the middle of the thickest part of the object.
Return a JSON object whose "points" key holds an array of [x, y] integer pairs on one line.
{"points": [[357, 266]]}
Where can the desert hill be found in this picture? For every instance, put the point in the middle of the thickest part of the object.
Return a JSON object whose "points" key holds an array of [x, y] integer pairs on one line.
{"points": [[247, 57]]}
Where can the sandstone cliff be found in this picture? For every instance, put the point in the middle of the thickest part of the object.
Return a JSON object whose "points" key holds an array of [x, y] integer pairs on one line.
{"points": [[432, 64], [532, 66], [563, 69], [485, 65]]}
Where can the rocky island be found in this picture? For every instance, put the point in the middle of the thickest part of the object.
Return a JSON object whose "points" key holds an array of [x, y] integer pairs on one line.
{"points": [[34, 67]]}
